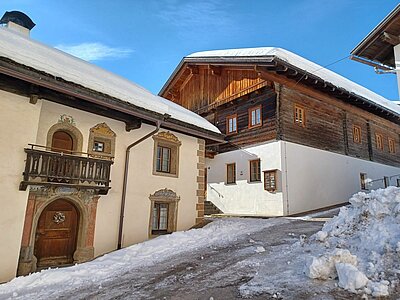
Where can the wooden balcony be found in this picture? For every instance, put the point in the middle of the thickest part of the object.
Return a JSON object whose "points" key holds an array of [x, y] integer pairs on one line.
{"points": [[77, 170]]}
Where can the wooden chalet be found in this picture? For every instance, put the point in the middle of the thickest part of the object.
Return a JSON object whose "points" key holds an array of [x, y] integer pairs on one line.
{"points": [[260, 96]]}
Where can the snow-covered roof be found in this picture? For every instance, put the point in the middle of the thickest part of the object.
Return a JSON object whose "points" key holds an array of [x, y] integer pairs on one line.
{"points": [[303, 64], [28, 52]]}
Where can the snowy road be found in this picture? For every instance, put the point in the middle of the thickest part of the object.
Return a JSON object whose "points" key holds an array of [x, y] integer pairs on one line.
{"points": [[230, 258]]}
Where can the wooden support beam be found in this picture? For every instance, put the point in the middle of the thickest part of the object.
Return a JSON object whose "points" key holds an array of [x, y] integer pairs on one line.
{"points": [[194, 70], [390, 38], [215, 70], [133, 124]]}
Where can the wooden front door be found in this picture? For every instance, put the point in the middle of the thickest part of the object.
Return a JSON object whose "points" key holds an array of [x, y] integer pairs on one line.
{"points": [[56, 234], [62, 142]]}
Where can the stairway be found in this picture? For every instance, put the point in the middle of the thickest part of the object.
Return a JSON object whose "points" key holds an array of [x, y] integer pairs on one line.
{"points": [[211, 209]]}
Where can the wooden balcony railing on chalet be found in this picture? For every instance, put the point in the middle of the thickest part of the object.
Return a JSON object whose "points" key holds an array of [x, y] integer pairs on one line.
{"points": [[76, 170]]}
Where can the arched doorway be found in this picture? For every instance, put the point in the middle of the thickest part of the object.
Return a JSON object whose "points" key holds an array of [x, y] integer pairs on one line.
{"points": [[56, 234], [62, 142]]}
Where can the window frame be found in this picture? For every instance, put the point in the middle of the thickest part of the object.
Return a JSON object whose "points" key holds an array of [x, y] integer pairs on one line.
{"points": [[231, 117], [392, 145], [251, 170], [378, 145], [161, 159], [169, 197], [271, 188], [167, 140], [158, 231], [357, 137], [233, 174], [250, 111], [303, 114]]}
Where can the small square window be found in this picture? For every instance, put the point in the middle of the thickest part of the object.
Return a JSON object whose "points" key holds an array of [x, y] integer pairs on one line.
{"points": [[299, 116], [231, 124], [231, 173], [98, 146], [392, 147], [255, 172], [357, 134], [255, 116], [270, 180]]}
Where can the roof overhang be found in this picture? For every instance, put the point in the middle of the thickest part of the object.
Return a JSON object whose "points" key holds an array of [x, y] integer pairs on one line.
{"points": [[283, 68], [41, 79], [376, 48]]}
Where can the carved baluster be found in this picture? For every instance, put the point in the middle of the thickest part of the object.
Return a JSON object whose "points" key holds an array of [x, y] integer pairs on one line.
{"points": [[45, 165], [84, 170]]}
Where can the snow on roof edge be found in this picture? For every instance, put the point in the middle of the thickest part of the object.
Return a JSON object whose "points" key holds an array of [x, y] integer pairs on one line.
{"points": [[305, 65], [41, 57]]}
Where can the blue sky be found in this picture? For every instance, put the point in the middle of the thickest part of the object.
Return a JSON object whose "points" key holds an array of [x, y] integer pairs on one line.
{"points": [[145, 40]]}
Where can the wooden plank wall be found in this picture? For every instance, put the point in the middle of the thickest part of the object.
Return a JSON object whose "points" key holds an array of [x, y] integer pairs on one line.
{"points": [[266, 97], [204, 89], [329, 126]]}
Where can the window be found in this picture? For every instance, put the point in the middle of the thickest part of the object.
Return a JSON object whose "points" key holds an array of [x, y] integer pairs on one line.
{"points": [[270, 180], [379, 141], [98, 146], [231, 124], [299, 116], [357, 134], [255, 172], [163, 159], [160, 218], [166, 154], [392, 147], [101, 141], [163, 212], [255, 116], [231, 173], [363, 181]]}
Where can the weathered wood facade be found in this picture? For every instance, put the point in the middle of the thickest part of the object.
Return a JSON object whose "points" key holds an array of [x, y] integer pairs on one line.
{"points": [[217, 91]]}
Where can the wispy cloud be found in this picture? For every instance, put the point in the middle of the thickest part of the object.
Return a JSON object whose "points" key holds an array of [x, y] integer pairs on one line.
{"points": [[94, 51], [206, 13]]}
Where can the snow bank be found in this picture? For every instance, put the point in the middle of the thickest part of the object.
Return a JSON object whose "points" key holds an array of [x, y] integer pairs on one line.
{"points": [[49, 282], [362, 244], [324, 267]]}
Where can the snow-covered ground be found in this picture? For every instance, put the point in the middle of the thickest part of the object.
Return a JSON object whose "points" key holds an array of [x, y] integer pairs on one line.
{"points": [[245, 258]]}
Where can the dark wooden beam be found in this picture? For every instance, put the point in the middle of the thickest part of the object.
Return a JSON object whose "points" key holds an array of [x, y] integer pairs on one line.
{"points": [[133, 124], [390, 38]]}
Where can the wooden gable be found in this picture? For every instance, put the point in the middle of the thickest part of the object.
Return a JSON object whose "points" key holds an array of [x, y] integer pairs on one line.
{"points": [[203, 88]]}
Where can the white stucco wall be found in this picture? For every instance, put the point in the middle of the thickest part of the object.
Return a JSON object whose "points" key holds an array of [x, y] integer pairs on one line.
{"points": [[318, 178], [246, 197], [141, 182], [18, 123]]}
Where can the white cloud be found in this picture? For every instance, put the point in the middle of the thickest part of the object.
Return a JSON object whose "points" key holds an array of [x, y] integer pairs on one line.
{"points": [[94, 51]]}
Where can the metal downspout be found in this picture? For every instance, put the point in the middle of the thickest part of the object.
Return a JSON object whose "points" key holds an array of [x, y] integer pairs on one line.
{"points": [[125, 182]]}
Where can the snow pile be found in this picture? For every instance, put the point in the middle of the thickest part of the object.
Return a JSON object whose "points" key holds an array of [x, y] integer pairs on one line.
{"points": [[362, 244]]}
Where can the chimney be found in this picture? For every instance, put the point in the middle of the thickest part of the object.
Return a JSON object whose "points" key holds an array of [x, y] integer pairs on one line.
{"points": [[18, 22]]}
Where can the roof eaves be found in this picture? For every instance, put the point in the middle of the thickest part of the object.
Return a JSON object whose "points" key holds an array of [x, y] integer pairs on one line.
{"points": [[376, 31], [39, 78]]}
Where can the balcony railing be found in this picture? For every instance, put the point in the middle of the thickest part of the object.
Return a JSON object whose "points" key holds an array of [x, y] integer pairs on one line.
{"points": [[77, 170]]}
